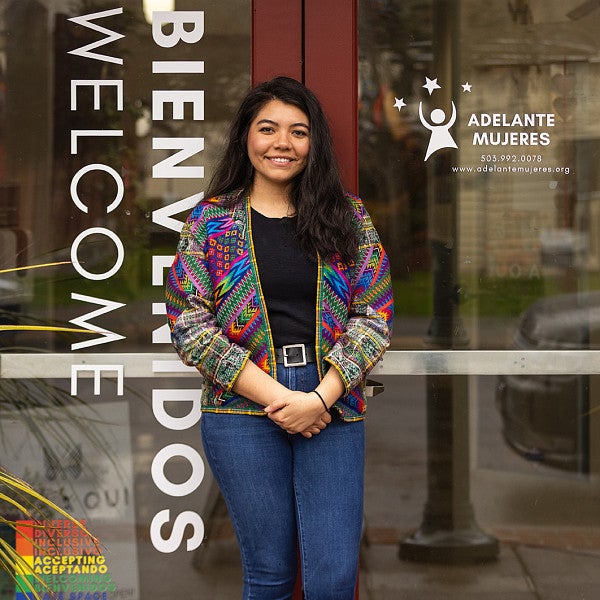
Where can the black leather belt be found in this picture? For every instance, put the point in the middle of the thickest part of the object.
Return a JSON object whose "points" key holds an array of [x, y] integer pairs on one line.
{"points": [[295, 355]]}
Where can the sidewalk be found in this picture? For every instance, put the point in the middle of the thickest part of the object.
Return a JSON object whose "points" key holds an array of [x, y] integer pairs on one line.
{"points": [[523, 571], [539, 560]]}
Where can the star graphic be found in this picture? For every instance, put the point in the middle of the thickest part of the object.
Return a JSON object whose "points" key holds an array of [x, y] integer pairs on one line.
{"points": [[399, 103], [431, 84], [466, 87]]}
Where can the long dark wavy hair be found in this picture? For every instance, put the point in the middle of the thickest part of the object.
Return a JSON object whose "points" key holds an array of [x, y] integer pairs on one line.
{"points": [[325, 219]]}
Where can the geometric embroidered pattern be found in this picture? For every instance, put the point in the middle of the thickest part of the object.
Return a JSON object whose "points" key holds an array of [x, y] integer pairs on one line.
{"points": [[215, 308]]}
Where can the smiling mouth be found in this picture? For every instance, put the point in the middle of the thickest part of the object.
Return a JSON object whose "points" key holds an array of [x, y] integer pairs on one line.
{"points": [[280, 160]]}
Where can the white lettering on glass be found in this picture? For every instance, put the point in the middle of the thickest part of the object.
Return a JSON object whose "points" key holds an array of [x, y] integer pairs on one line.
{"points": [[111, 36], [185, 27], [97, 370], [83, 321]]}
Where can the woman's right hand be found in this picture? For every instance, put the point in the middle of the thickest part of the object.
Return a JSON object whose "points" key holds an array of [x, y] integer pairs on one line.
{"points": [[322, 421], [299, 412]]}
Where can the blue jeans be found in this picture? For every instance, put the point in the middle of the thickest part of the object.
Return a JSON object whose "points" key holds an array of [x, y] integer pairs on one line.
{"points": [[287, 493]]}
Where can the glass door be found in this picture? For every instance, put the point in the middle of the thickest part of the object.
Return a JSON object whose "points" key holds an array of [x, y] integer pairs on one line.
{"points": [[112, 116], [478, 131]]}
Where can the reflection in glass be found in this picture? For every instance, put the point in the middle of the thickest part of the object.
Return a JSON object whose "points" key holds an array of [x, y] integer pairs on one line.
{"points": [[155, 5], [525, 243], [78, 149], [51, 189], [526, 132]]}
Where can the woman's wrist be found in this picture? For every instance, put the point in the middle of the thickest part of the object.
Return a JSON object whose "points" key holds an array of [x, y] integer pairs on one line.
{"points": [[325, 406], [330, 388], [257, 385]]}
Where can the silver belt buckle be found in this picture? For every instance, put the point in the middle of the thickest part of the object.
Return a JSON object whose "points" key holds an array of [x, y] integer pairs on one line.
{"points": [[301, 363]]}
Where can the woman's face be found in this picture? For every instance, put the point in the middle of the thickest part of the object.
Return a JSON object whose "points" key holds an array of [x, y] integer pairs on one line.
{"points": [[278, 143]]}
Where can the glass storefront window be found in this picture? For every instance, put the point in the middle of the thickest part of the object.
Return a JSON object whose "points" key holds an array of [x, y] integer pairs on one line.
{"points": [[84, 169], [509, 186], [478, 131], [478, 138], [110, 125]]}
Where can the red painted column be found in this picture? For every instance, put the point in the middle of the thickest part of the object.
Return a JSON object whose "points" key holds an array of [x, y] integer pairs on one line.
{"points": [[276, 39], [314, 41], [331, 71]]}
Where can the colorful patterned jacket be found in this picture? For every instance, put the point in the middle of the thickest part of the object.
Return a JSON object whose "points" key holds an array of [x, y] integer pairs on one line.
{"points": [[216, 309]]}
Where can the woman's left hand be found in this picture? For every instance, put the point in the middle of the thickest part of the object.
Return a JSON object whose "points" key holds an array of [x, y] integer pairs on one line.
{"points": [[299, 412]]}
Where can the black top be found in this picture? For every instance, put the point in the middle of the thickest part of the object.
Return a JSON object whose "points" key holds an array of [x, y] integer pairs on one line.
{"points": [[288, 279]]}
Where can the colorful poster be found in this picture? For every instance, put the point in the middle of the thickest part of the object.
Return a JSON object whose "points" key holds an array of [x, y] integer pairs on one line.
{"points": [[83, 463], [68, 562]]}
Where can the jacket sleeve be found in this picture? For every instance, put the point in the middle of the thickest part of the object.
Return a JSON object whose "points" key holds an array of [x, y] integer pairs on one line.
{"points": [[369, 327], [195, 332]]}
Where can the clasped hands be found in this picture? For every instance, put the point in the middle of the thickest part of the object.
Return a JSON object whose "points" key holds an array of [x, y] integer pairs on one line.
{"points": [[299, 412]]}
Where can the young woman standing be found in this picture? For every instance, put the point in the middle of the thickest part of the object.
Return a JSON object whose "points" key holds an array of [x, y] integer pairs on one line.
{"points": [[280, 295]]}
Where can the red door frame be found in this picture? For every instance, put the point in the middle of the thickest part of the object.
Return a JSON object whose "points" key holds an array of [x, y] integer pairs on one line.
{"points": [[314, 41]]}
